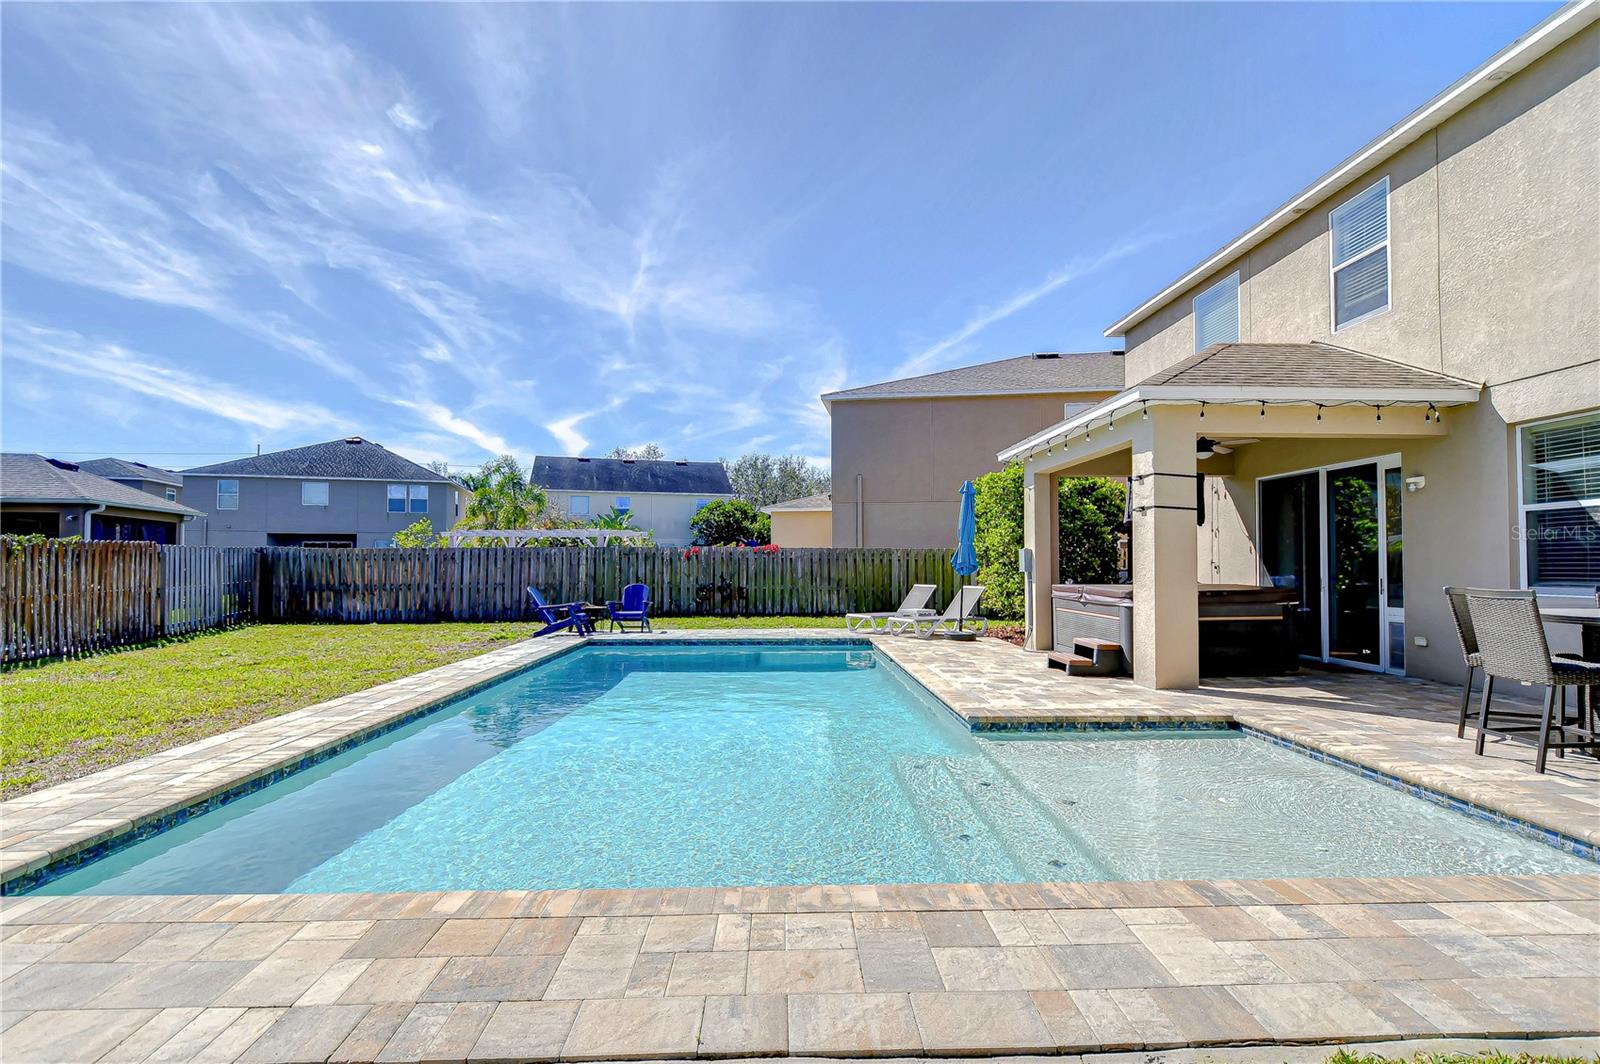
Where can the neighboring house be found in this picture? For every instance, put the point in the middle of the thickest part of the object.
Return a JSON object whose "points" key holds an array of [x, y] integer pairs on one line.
{"points": [[162, 483], [662, 496], [902, 448], [1404, 362], [343, 493], [803, 522], [48, 497]]}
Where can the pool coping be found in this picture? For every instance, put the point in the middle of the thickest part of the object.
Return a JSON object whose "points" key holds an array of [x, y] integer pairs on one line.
{"points": [[51, 831]]}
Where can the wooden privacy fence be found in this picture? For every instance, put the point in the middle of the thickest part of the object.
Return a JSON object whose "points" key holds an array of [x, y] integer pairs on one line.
{"points": [[67, 598], [490, 583], [206, 587]]}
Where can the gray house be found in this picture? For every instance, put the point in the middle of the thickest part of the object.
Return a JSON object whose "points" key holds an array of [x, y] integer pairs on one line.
{"points": [[663, 497], [343, 493], [162, 483], [48, 497]]}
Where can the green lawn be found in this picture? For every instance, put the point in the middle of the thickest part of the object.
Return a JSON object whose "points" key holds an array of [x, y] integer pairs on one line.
{"points": [[65, 719], [1347, 1056]]}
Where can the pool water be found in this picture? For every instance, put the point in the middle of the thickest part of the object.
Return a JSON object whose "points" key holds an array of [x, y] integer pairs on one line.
{"points": [[738, 765]]}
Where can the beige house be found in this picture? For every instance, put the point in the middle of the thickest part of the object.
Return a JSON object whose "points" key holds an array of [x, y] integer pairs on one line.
{"points": [[803, 522], [902, 448], [1389, 384]]}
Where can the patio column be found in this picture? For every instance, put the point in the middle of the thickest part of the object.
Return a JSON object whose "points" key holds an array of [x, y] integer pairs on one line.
{"points": [[1166, 612], [1040, 533]]}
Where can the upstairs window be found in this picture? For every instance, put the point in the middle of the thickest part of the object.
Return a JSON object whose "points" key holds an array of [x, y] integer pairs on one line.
{"points": [[313, 493], [578, 506], [1560, 528], [397, 498], [624, 503], [172, 494], [419, 498], [1359, 271], [1216, 314], [227, 494]]}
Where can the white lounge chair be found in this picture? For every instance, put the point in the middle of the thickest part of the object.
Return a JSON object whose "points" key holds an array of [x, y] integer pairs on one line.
{"points": [[952, 622], [913, 605]]}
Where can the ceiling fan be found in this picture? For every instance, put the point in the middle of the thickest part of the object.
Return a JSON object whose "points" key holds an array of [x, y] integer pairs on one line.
{"points": [[1205, 446]]}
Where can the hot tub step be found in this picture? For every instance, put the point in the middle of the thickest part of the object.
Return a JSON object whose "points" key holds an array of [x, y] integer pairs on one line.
{"points": [[1105, 656], [1071, 664]]}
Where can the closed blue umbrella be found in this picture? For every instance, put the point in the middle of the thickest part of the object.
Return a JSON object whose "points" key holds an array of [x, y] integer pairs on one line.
{"points": [[965, 559]]}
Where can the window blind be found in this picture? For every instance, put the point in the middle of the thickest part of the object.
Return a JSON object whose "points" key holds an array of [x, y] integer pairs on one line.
{"points": [[1562, 461], [1361, 288], [1216, 314], [1360, 224]]}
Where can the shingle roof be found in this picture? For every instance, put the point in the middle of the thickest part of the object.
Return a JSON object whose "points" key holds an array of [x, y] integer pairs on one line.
{"points": [[122, 469], [1314, 365], [352, 458], [805, 502], [1038, 374], [626, 476], [35, 478]]}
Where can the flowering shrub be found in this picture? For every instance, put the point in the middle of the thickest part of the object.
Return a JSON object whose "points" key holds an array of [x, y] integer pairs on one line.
{"points": [[692, 552]]}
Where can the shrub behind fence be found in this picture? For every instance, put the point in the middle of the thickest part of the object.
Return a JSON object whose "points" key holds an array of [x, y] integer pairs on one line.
{"points": [[66, 598]]}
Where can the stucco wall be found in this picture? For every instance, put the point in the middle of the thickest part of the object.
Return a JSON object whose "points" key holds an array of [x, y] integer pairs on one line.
{"points": [[272, 505], [802, 528], [1494, 238], [1495, 277], [666, 514], [913, 454]]}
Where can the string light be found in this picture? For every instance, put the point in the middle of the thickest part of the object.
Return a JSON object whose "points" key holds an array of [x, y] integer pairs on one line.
{"points": [[1146, 414], [1319, 411], [1263, 408], [1202, 410], [1379, 410]]}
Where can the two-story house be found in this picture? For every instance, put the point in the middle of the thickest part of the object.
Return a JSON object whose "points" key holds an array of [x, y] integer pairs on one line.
{"points": [[1388, 385], [901, 448], [343, 493], [661, 496]]}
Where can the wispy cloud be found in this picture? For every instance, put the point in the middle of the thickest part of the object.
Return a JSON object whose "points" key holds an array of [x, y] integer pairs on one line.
{"points": [[108, 365], [312, 171], [566, 432], [939, 353]]}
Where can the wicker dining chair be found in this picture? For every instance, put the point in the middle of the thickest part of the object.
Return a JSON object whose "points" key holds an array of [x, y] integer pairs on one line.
{"points": [[1467, 640], [1512, 646]]}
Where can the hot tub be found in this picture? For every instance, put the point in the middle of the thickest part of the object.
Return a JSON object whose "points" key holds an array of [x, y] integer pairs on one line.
{"points": [[1245, 630]]}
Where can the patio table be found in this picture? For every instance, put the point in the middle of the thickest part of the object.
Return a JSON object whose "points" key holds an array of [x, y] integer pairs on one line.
{"points": [[1588, 617]]}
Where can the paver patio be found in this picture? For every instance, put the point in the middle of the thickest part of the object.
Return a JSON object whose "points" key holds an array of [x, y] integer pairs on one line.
{"points": [[845, 970]]}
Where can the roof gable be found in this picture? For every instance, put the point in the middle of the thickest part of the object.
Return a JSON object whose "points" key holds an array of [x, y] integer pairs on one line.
{"points": [[627, 476], [1045, 373], [351, 458]]}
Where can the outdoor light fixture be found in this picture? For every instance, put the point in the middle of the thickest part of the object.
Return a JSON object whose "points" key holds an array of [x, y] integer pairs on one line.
{"points": [[1416, 484]]}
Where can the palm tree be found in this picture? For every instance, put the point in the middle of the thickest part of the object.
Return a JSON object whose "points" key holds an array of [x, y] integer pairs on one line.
{"points": [[502, 497]]}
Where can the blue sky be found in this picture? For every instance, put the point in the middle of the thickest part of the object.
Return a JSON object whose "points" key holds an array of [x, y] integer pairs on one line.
{"points": [[472, 228]]}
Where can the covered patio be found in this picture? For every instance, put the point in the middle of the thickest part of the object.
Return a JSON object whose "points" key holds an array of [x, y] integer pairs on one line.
{"points": [[1189, 438]]}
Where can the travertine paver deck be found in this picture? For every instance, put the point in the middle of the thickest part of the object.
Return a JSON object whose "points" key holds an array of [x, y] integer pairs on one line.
{"points": [[851, 971], [999, 968]]}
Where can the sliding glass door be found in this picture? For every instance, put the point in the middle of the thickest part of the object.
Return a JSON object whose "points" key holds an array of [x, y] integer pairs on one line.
{"points": [[1291, 550], [1334, 535]]}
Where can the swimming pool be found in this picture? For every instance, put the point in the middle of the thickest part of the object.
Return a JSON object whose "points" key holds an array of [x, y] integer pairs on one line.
{"points": [[747, 764]]}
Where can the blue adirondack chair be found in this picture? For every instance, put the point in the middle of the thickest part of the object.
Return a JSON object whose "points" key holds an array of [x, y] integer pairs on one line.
{"points": [[559, 616], [634, 608]]}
